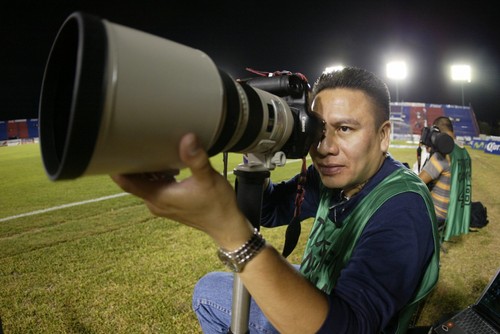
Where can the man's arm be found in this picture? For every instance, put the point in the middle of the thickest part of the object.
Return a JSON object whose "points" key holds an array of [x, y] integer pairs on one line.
{"points": [[425, 177], [278, 204], [433, 168], [206, 201]]}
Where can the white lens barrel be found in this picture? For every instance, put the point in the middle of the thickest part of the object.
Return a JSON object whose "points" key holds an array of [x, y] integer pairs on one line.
{"points": [[118, 100], [157, 91]]}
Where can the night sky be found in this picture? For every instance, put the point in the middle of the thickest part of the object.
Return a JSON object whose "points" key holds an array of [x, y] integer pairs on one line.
{"points": [[271, 35]]}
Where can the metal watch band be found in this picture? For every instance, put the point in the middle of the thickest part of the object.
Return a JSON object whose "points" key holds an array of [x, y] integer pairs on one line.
{"points": [[237, 259]]}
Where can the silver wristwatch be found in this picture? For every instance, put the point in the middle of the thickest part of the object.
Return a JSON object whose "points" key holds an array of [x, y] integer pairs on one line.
{"points": [[236, 260]]}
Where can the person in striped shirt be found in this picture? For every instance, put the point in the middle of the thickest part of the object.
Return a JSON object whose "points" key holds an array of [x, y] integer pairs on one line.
{"points": [[448, 189]]}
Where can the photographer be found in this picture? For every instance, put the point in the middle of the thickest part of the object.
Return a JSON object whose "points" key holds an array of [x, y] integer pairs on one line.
{"points": [[372, 253], [449, 178]]}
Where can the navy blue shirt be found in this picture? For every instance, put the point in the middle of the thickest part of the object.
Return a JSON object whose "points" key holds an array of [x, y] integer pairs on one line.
{"points": [[388, 262]]}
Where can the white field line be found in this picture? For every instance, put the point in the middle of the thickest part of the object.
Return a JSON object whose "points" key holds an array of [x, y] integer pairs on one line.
{"points": [[64, 206]]}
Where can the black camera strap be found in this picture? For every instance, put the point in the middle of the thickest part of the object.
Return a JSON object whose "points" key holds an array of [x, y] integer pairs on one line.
{"points": [[293, 230], [225, 158]]}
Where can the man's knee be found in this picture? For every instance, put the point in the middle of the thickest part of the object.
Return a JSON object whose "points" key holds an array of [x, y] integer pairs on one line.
{"points": [[211, 287]]}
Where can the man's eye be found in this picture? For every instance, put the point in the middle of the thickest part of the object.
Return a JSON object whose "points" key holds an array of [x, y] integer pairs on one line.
{"points": [[344, 128]]}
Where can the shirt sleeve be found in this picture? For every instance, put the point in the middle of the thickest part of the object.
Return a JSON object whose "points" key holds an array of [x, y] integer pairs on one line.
{"points": [[435, 166], [385, 268], [278, 204]]}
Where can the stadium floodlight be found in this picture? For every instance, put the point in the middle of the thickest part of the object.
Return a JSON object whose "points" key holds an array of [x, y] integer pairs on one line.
{"points": [[333, 68], [397, 71], [461, 73]]}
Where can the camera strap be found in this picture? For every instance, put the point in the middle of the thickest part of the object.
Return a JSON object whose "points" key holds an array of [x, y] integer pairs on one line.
{"points": [[225, 157], [293, 230]]}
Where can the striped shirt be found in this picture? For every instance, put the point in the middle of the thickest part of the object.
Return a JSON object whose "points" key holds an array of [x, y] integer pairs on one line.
{"points": [[438, 167]]}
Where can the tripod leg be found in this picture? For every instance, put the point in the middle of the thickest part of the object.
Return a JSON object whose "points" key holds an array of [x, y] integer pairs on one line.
{"points": [[240, 308], [249, 187]]}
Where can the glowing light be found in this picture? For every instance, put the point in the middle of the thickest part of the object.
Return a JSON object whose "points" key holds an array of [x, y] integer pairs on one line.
{"points": [[461, 73], [333, 68], [397, 70]]}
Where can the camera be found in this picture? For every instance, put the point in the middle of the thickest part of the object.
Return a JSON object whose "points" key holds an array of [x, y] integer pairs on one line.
{"points": [[438, 142], [118, 100]]}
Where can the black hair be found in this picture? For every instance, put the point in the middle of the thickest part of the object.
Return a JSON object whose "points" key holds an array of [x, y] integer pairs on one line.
{"points": [[358, 79], [442, 123]]}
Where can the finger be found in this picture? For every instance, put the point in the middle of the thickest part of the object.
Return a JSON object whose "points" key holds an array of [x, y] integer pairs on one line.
{"points": [[141, 185], [129, 183], [195, 157], [158, 176]]}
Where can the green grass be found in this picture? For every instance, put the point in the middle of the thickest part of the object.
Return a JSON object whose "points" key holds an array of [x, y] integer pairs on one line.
{"points": [[110, 266]]}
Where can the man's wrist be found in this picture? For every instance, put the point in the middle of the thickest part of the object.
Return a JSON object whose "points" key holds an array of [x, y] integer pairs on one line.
{"points": [[237, 259]]}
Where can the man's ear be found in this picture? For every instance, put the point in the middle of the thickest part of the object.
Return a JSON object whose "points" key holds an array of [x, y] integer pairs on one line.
{"points": [[385, 136]]}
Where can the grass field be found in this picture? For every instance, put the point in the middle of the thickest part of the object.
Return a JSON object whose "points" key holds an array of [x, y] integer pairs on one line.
{"points": [[109, 266]]}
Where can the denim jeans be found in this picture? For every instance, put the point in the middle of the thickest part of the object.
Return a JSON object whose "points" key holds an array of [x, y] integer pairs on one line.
{"points": [[212, 303]]}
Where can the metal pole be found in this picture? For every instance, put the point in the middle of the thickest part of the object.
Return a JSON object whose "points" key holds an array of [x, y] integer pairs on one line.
{"points": [[250, 182], [397, 91], [463, 102]]}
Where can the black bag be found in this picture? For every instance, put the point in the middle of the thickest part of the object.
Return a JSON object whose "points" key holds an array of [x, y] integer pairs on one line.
{"points": [[478, 215]]}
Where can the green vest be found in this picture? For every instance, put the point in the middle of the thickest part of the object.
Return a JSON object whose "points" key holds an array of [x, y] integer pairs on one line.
{"points": [[329, 247], [458, 216]]}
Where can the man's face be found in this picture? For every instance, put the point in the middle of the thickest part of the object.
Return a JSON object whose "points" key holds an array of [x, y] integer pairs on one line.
{"points": [[352, 149]]}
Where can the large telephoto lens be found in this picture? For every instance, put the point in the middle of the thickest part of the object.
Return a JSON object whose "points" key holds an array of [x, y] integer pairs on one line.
{"points": [[118, 100], [442, 143], [72, 99]]}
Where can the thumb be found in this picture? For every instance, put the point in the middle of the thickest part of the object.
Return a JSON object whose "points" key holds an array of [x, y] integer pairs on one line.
{"points": [[194, 156]]}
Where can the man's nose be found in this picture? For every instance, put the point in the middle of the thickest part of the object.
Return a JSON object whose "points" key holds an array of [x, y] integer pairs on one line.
{"points": [[327, 144]]}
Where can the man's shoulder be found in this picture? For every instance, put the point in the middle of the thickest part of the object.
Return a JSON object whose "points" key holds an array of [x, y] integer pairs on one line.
{"points": [[460, 150], [392, 169], [388, 167]]}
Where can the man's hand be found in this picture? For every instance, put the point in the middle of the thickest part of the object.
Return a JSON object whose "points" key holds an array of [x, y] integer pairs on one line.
{"points": [[205, 200]]}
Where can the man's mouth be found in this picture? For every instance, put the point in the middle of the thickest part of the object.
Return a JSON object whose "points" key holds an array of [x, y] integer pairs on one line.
{"points": [[330, 169]]}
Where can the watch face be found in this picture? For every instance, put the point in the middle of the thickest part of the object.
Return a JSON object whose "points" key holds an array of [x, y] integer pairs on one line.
{"points": [[228, 262], [237, 259]]}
